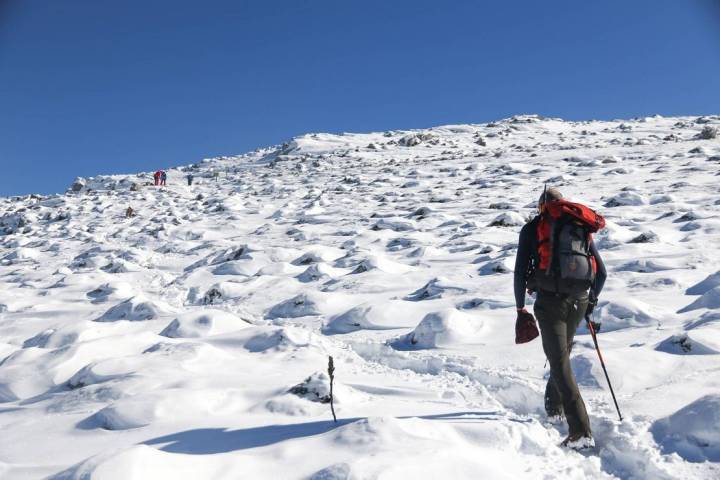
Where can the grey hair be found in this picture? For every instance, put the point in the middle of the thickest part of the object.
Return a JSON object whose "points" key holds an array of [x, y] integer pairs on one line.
{"points": [[551, 194]]}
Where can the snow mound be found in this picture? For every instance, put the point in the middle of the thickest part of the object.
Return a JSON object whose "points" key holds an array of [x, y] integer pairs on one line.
{"points": [[425, 252], [508, 219], [704, 286], [150, 407], [710, 299], [317, 272], [647, 266], [707, 318], [624, 199], [439, 329], [105, 291], [646, 237], [20, 255], [338, 471], [280, 339], [434, 289], [324, 255], [127, 464], [61, 336], [203, 323], [394, 225], [136, 308], [14, 222], [119, 265], [100, 372], [233, 267], [483, 304], [357, 318], [123, 415], [688, 343], [221, 292], [315, 388], [626, 313], [227, 254], [500, 265], [303, 305], [377, 262], [693, 432]]}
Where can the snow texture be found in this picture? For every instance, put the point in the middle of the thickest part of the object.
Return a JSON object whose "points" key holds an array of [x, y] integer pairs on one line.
{"points": [[191, 340]]}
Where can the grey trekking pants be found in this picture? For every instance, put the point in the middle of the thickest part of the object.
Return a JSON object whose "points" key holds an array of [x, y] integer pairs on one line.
{"points": [[559, 317]]}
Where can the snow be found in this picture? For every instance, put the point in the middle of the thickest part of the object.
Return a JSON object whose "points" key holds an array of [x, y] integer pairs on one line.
{"points": [[192, 339], [438, 329], [203, 323], [693, 432]]}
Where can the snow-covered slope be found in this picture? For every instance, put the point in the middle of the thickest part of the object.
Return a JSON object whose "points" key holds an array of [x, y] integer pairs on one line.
{"points": [[191, 340]]}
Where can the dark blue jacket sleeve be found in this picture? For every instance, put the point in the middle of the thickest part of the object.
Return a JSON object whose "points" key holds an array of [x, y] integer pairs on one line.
{"points": [[601, 274], [522, 264]]}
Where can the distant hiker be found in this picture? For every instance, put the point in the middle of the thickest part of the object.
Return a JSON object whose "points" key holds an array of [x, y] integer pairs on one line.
{"points": [[156, 176], [163, 177], [190, 179], [558, 260], [216, 175], [129, 212]]}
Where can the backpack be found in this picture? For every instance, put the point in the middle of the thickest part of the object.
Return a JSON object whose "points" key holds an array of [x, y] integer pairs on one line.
{"points": [[562, 260]]}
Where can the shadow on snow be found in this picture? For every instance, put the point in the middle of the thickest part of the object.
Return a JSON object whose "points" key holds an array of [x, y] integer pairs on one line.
{"points": [[205, 441]]}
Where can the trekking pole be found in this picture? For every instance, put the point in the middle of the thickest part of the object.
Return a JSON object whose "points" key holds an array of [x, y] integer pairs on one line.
{"points": [[602, 362]]}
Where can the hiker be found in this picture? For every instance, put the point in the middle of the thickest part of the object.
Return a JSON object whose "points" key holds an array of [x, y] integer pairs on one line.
{"points": [[558, 260], [163, 177], [190, 179], [129, 212], [156, 176]]}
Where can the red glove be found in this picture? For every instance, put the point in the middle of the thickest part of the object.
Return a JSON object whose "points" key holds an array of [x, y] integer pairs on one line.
{"points": [[525, 328]]}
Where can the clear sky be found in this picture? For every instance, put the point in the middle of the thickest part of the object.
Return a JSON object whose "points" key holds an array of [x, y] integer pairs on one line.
{"points": [[118, 86]]}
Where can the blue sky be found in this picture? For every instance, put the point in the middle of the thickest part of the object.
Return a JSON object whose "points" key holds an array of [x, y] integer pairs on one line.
{"points": [[104, 86]]}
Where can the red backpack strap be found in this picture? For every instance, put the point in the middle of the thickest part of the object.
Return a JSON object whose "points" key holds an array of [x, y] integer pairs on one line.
{"points": [[543, 234]]}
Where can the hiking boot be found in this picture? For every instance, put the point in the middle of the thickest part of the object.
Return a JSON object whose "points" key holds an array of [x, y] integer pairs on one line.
{"points": [[578, 442]]}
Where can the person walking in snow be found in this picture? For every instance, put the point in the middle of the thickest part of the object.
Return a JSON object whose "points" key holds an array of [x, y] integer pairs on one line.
{"points": [[190, 179], [163, 177], [156, 176], [558, 260]]}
